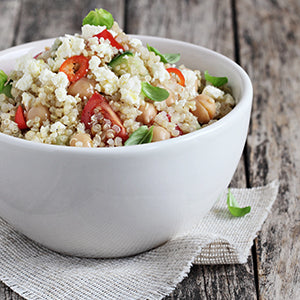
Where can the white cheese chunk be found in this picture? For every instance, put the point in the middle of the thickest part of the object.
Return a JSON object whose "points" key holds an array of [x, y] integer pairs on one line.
{"points": [[103, 49], [89, 31], [213, 92], [25, 82], [107, 79], [27, 100], [159, 72], [130, 89], [135, 43], [191, 81]]}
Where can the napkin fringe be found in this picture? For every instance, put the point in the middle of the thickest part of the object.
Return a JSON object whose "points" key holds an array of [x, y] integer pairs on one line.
{"points": [[194, 245], [18, 289]]}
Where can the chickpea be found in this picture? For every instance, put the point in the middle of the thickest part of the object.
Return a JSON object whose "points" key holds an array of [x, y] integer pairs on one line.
{"points": [[81, 139], [160, 134], [148, 113], [40, 111], [84, 87], [171, 99], [196, 85], [205, 108]]}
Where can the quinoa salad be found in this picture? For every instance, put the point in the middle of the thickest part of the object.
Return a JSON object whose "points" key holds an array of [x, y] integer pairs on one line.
{"points": [[103, 88]]}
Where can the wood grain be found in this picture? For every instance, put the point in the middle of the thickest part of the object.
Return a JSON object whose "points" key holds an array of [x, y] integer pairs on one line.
{"points": [[8, 23], [266, 38], [46, 19], [270, 51], [206, 23], [217, 280], [10, 10]]}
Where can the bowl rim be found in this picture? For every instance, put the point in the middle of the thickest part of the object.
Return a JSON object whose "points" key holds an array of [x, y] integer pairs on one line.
{"points": [[244, 100]]}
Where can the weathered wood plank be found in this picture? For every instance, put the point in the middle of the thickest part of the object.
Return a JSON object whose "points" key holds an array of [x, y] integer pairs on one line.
{"points": [[7, 294], [217, 282], [270, 51], [172, 19], [46, 19], [29, 20], [10, 10], [206, 23]]}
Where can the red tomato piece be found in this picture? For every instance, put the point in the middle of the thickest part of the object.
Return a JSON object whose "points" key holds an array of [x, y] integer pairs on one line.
{"points": [[98, 101], [169, 117], [179, 74], [37, 55], [108, 36], [20, 119], [178, 128], [75, 67]]}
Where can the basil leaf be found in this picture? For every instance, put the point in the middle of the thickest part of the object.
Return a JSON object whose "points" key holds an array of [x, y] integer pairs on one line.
{"points": [[7, 91], [170, 58], [3, 79], [215, 81], [99, 17], [5, 87], [143, 135], [154, 93], [234, 208], [119, 59]]}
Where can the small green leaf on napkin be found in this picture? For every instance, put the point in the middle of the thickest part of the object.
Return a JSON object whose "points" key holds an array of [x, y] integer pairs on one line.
{"points": [[234, 208]]}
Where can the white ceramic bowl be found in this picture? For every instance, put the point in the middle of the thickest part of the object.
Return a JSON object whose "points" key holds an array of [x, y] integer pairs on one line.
{"points": [[122, 201]]}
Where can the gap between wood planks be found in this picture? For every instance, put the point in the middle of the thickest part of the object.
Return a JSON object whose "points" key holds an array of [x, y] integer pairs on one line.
{"points": [[126, 15], [237, 58], [17, 25]]}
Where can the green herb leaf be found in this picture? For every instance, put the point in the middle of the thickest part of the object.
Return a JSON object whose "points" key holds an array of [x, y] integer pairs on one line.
{"points": [[143, 135], [154, 93], [3, 79], [5, 87], [215, 81], [170, 58], [99, 17], [7, 91], [117, 60], [234, 208]]}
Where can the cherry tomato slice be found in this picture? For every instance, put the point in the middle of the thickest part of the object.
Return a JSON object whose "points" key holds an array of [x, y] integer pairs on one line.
{"points": [[99, 101], [20, 119], [108, 36], [179, 74], [75, 67]]}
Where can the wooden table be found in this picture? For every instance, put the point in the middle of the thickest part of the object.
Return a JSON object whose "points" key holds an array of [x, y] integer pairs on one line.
{"points": [[263, 36]]}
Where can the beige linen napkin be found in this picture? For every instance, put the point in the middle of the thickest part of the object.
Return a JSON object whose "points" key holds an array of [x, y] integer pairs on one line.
{"points": [[38, 273]]}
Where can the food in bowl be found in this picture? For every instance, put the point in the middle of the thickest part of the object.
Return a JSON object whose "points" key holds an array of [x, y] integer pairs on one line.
{"points": [[119, 201], [102, 88]]}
